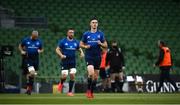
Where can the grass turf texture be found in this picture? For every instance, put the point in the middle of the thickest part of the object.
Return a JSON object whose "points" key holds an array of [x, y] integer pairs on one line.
{"points": [[125, 98]]}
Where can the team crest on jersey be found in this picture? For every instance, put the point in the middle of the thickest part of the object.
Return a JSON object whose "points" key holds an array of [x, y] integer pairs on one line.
{"points": [[88, 37], [75, 44], [37, 43], [28, 42], [66, 44], [98, 36]]}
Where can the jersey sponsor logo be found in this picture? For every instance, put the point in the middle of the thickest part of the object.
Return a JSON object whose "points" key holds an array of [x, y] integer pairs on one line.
{"points": [[33, 47], [37, 43], [75, 44], [98, 36], [92, 41], [66, 44], [71, 48], [88, 37], [28, 42]]}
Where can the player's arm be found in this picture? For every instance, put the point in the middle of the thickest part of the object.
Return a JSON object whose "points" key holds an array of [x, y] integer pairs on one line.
{"points": [[104, 44], [59, 53], [81, 53], [160, 59], [21, 49], [121, 58], [40, 50], [83, 45]]}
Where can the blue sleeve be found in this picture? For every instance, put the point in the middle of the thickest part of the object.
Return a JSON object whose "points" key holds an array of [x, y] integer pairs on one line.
{"points": [[84, 38], [60, 44], [102, 38], [78, 44], [40, 44]]}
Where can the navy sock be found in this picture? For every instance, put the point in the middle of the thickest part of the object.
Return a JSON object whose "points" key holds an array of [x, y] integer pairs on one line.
{"points": [[71, 84], [30, 82], [89, 83], [113, 86], [120, 84], [93, 85]]}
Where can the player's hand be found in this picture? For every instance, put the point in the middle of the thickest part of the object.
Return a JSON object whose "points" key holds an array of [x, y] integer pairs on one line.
{"points": [[99, 43], [40, 51], [87, 46], [123, 68], [107, 67], [154, 65], [63, 57], [23, 52]]}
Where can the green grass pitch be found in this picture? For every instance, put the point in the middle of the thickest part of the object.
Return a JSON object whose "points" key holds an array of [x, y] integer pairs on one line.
{"points": [[100, 98]]}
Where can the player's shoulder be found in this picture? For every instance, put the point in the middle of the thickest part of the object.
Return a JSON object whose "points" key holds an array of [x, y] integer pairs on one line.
{"points": [[75, 40], [100, 32], [63, 40], [86, 33]]}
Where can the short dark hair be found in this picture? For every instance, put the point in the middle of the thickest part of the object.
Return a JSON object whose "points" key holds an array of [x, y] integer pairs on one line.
{"points": [[113, 41], [70, 29], [162, 42], [93, 18]]}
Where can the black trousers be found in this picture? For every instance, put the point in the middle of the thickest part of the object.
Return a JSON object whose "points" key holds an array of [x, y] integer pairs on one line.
{"points": [[165, 75]]}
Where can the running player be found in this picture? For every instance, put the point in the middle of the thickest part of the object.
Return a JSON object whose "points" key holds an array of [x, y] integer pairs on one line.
{"points": [[66, 50], [92, 41], [30, 48]]}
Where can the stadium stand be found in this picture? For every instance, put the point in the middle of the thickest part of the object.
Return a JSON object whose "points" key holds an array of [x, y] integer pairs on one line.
{"points": [[136, 24]]}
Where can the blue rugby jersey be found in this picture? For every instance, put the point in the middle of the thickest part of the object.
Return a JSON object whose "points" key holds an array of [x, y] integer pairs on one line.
{"points": [[91, 39], [68, 48], [31, 46]]}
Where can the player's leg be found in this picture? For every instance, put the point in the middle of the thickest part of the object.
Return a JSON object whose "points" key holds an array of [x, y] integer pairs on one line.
{"points": [[90, 69], [168, 77], [26, 74], [28, 84], [102, 75], [120, 81], [162, 78], [108, 81], [72, 80], [96, 63], [94, 82], [32, 67], [90, 72], [64, 74], [113, 84]]}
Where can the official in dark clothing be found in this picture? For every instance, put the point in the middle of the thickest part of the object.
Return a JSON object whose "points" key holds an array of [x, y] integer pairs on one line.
{"points": [[116, 64], [165, 64]]}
